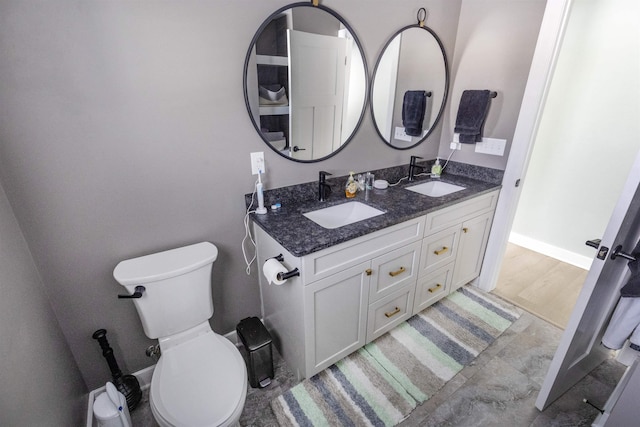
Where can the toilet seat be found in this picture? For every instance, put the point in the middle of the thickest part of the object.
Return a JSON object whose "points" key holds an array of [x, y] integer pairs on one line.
{"points": [[199, 382]]}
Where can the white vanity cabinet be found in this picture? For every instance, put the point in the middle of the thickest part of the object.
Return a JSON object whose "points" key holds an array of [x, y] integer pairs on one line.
{"points": [[351, 293], [353, 307], [453, 248], [345, 296]]}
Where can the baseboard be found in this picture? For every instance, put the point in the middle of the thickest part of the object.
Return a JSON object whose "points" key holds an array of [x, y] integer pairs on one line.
{"points": [[555, 252]]}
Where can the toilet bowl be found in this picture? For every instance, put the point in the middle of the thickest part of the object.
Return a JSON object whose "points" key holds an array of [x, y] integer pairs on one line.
{"points": [[200, 379], [198, 382]]}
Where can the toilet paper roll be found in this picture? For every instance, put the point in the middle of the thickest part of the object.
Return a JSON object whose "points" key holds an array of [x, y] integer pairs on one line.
{"points": [[271, 268]]}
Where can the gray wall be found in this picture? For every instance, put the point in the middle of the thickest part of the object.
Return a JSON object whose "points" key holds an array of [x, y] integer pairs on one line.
{"points": [[124, 131], [494, 49], [41, 383]]}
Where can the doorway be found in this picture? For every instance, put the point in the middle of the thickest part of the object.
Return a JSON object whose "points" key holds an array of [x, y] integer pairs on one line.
{"points": [[583, 151]]}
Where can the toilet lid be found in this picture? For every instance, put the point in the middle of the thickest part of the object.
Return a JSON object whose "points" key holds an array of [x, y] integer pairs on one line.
{"points": [[200, 382]]}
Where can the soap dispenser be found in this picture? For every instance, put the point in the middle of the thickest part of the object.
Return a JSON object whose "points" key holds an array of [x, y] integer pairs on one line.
{"points": [[351, 188], [436, 169]]}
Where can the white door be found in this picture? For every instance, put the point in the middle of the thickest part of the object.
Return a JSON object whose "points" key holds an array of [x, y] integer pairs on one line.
{"points": [[316, 93], [580, 350]]}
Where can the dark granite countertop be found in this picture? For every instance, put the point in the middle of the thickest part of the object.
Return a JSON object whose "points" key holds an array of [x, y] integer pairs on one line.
{"points": [[301, 236]]}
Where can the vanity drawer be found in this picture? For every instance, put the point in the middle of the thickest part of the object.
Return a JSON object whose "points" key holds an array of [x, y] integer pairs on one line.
{"points": [[388, 312], [394, 270], [433, 287], [336, 258], [439, 249], [439, 220]]}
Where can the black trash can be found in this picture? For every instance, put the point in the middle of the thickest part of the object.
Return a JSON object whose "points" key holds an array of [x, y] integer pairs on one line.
{"points": [[257, 342]]}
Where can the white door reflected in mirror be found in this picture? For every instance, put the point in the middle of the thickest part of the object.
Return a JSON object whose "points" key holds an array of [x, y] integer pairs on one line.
{"points": [[310, 65]]}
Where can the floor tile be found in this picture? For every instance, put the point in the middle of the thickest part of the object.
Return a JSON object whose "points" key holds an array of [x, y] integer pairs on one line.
{"points": [[498, 395], [532, 350], [498, 389]]}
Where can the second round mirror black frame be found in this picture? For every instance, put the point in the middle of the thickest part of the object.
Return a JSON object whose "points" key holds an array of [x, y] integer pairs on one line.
{"points": [[446, 88], [366, 79]]}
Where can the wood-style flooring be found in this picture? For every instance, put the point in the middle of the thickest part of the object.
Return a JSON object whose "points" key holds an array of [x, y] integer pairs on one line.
{"points": [[542, 285]]}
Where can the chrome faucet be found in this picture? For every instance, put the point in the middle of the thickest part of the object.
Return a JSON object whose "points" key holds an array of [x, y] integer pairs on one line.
{"points": [[413, 167], [324, 189]]}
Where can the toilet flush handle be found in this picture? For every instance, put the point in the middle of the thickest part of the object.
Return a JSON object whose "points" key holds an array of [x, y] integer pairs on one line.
{"points": [[137, 294]]}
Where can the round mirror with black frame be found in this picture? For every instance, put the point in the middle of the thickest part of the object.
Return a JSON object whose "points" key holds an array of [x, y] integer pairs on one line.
{"points": [[410, 86], [306, 82]]}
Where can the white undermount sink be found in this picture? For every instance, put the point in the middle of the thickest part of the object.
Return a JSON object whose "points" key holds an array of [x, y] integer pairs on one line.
{"points": [[435, 188], [341, 215]]}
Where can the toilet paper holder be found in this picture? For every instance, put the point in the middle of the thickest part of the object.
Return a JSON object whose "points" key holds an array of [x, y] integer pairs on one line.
{"points": [[288, 274]]}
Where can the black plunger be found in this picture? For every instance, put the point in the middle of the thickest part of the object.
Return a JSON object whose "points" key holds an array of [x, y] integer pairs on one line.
{"points": [[128, 385]]}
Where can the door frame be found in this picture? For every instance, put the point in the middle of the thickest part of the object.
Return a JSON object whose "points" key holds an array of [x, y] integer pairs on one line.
{"points": [[543, 65]]}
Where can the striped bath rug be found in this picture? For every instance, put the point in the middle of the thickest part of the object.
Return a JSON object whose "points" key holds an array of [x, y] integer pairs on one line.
{"points": [[381, 383]]}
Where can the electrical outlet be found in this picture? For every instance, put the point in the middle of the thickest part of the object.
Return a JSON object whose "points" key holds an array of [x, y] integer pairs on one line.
{"points": [[257, 163], [401, 135], [455, 146]]}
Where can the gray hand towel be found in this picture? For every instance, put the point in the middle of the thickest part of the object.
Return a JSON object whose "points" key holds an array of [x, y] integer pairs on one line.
{"points": [[472, 112], [413, 107]]}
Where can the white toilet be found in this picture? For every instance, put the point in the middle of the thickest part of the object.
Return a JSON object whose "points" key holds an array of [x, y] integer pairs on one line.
{"points": [[201, 378]]}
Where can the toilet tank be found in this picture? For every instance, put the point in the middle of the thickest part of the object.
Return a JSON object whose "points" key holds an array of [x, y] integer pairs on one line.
{"points": [[177, 285]]}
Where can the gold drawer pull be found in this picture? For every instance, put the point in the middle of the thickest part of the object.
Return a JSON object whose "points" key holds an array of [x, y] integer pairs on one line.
{"points": [[395, 273], [393, 313], [441, 251], [465, 230], [368, 272], [432, 290]]}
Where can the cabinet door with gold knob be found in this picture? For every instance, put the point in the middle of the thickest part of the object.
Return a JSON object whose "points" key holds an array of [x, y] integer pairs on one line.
{"points": [[337, 314], [471, 249]]}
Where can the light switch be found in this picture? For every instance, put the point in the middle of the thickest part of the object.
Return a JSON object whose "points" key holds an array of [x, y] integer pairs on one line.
{"points": [[493, 146], [401, 135]]}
